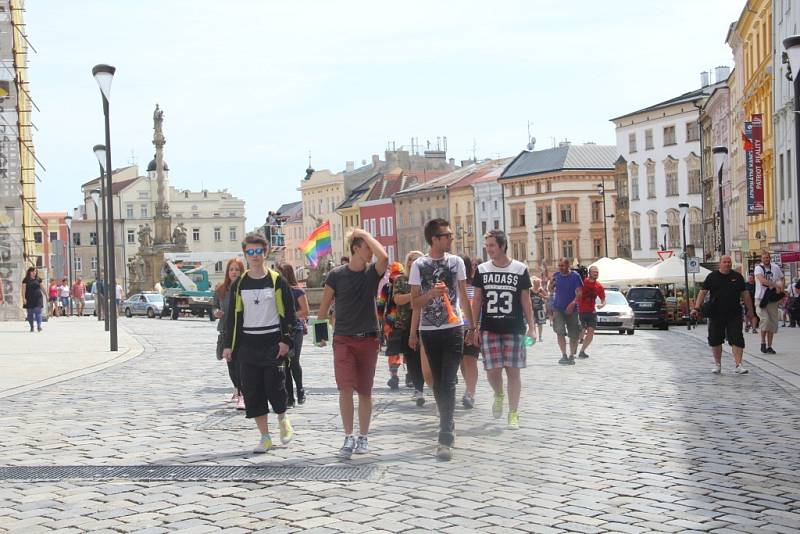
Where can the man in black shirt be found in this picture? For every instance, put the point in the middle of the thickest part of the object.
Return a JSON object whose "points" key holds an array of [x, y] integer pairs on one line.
{"points": [[727, 290]]}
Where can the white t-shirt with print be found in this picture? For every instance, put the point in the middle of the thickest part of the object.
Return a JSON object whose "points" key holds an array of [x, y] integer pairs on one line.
{"points": [[425, 273], [772, 273]]}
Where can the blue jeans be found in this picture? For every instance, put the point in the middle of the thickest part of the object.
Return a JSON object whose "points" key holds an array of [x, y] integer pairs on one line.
{"points": [[35, 314]]}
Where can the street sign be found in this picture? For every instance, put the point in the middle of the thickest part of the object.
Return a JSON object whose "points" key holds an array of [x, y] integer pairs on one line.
{"points": [[775, 258], [664, 254], [693, 265]]}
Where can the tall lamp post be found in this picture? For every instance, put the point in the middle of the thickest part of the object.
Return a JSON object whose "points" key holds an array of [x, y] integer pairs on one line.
{"points": [[665, 227], [103, 75], [720, 154], [68, 222], [601, 188], [100, 154], [792, 46], [95, 196], [684, 208]]}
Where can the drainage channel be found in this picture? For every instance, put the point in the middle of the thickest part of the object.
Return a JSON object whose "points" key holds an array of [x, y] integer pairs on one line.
{"points": [[223, 473]]}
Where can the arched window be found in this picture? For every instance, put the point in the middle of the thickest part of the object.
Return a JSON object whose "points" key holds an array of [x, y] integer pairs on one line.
{"points": [[652, 225], [671, 176], [695, 222], [693, 168], [674, 222], [636, 227]]}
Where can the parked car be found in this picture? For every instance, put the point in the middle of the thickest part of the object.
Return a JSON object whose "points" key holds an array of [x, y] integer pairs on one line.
{"points": [[149, 304], [616, 314], [649, 307]]}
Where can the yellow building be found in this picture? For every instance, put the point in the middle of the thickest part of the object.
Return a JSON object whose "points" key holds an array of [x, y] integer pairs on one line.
{"points": [[752, 49]]}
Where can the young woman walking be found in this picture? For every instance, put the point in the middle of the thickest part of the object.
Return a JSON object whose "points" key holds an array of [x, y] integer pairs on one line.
{"points": [[294, 372], [33, 297], [233, 271]]}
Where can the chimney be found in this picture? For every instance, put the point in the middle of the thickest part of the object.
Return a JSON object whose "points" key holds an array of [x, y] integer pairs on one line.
{"points": [[562, 144], [376, 161], [349, 166], [452, 163], [721, 73], [704, 79]]}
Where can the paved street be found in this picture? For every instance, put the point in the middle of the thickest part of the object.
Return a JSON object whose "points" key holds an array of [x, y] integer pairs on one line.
{"points": [[641, 437]]}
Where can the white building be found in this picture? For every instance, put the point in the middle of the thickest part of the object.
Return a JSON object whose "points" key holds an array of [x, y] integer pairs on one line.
{"points": [[488, 207], [787, 219], [661, 144]]}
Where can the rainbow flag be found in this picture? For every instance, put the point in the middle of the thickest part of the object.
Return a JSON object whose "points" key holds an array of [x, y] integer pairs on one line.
{"points": [[318, 243]]}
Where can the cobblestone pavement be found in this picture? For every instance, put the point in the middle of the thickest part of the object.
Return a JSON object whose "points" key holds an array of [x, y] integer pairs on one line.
{"points": [[640, 437]]}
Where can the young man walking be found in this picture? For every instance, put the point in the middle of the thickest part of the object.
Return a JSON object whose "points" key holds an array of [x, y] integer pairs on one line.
{"points": [[727, 290], [438, 287], [259, 332], [767, 276], [356, 340], [567, 287], [590, 292], [501, 291]]}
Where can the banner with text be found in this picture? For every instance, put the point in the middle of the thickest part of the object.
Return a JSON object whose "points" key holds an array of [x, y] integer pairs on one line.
{"points": [[757, 207]]}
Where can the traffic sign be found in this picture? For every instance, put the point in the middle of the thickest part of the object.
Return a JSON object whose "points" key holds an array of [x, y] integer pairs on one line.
{"points": [[693, 265], [664, 254]]}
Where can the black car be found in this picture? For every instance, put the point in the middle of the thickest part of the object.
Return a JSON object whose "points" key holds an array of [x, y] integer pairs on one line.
{"points": [[649, 307]]}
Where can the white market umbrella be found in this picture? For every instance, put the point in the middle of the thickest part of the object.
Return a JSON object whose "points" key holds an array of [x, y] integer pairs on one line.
{"points": [[671, 272], [619, 271]]}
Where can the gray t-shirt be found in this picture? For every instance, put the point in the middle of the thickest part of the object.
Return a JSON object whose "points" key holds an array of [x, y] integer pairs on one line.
{"points": [[355, 293]]}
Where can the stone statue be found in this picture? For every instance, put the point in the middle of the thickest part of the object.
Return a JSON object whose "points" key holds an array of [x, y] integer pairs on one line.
{"points": [[180, 235], [136, 268], [158, 118], [145, 236]]}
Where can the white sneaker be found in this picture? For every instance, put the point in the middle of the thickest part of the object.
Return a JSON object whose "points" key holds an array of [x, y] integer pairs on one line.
{"points": [[347, 449], [419, 398], [362, 445], [717, 369], [264, 444], [741, 370]]}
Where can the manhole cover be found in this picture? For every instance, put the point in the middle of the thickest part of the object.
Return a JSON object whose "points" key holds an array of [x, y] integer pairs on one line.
{"points": [[187, 473]]}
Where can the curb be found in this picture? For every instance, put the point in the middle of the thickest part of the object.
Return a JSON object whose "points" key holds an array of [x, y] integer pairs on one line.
{"points": [[133, 350], [787, 379]]}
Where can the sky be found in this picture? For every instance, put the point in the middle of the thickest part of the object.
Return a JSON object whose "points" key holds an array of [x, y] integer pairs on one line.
{"points": [[250, 88]]}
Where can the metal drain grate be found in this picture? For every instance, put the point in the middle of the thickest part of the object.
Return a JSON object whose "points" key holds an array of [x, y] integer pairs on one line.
{"points": [[186, 473]]}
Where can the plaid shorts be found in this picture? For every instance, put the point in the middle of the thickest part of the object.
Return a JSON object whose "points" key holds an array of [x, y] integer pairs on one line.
{"points": [[502, 350]]}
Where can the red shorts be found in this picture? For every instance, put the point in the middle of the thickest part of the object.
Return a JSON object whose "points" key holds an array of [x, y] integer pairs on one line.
{"points": [[354, 361]]}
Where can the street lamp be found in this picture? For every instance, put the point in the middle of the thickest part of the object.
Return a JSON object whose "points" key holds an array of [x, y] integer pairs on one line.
{"points": [[684, 207], [792, 46], [103, 75], [665, 227], [95, 196], [601, 188], [68, 222], [100, 154], [720, 154]]}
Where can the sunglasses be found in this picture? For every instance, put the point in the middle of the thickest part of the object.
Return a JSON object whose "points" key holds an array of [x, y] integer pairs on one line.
{"points": [[254, 251], [448, 235]]}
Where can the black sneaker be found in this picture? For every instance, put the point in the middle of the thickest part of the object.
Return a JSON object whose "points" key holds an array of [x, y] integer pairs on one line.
{"points": [[764, 348], [564, 360], [572, 359], [583, 355], [301, 396], [770, 351], [394, 383]]}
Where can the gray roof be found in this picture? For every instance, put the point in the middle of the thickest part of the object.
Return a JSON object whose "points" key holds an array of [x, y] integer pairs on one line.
{"points": [[691, 96], [358, 191], [290, 208], [569, 157]]}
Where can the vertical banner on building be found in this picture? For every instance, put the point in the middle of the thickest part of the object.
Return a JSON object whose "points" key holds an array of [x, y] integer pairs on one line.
{"points": [[747, 140], [758, 168]]}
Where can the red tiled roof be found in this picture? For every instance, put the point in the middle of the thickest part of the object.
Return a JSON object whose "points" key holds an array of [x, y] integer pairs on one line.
{"points": [[389, 184], [486, 172]]}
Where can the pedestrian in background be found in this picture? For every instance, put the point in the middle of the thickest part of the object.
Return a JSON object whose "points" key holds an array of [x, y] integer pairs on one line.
{"points": [[565, 285], [539, 300], [33, 297], [63, 296], [768, 293], [294, 371], [387, 318], [751, 288], [587, 307], [79, 295], [416, 360], [233, 270], [472, 349], [727, 289], [52, 299]]}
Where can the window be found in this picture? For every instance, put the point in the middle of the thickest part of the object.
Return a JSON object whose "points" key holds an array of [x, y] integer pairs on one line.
{"points": [[692, 132], [566, 249], [483, 228], [483, 206], [674, 233], [636, 225], [648, 139], [669, 135], [129, 211], [495, 205], [216, 214], [693, 166], [231, 214], [496, 224], [94, 263], [788, 174], [518, 216], [634, 181], [390, 226], [597, 245], [143, 210], [144, 194], [217, 233], [37, 237], [92, 238], [76, 239], [631, 142], [597, 210], [383, 226], [548, 215], [195, 234], [651, 179], [218, 267], [694, 222], [566, 215], [77, 262], [780, 174], [232, 233], [131, 237], [52, 259], [652, 223], [390, 252], [54, 235], [538, 187], [671, 173]]}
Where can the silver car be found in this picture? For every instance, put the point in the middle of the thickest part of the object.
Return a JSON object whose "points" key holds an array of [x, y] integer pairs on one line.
{"points": [[616, 314], [150, 304]]}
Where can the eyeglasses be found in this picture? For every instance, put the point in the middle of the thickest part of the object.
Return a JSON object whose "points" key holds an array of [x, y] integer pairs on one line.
{"points": [[448, 235], [254, 251]]}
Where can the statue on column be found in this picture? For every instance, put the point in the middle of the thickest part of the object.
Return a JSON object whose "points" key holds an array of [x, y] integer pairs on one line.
{"points": [[180, 235], [145, 236]]}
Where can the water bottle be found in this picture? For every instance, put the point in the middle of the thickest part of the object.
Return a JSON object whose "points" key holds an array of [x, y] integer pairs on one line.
{"points": [[529, 341]]}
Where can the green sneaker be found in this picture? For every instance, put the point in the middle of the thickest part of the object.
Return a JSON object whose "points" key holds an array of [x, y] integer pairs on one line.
{"points": [[264, 444], [497, 406], [287, 432], [513, 421]]}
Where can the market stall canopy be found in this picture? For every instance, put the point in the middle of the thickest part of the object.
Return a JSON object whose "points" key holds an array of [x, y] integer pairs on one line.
{"points": [[671, 272], [620, 272]]}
